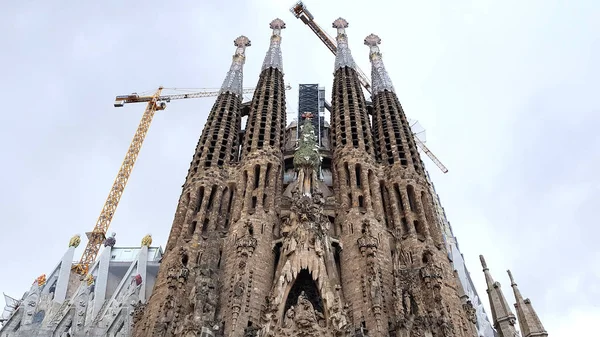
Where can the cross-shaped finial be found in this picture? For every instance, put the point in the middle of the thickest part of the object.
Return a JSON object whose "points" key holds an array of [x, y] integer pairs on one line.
{"points": [[340, 23], [242, 41], [307, 115], [372, 40], [277, 24]]}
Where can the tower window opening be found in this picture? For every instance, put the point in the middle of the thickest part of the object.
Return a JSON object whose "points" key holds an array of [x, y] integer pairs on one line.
{"points": [[192, 229], [361, 202], [211, 198], [419, 227], [405, 230], [184, 259], [337, 259], [220, 256], [411, 198], [384, 203], [254, 202], [399, 198], [256, 175], [199, 258], [200, 198], [347, 172], [205, 225], [277, 254], [358, 177], [264, 199], [267, 174]]}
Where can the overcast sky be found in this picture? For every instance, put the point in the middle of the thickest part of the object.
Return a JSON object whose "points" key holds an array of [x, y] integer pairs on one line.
{"points": [[507, 91]]}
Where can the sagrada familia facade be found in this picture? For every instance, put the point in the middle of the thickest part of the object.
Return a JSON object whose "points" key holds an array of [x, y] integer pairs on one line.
{"points": [[251, 256], [255, 251]]}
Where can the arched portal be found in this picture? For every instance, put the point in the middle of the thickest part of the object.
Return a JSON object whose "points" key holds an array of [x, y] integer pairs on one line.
{"points": [[305, 283]]}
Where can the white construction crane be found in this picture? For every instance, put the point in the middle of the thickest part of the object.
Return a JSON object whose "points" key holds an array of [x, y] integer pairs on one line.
{"points": [[299, 10]]}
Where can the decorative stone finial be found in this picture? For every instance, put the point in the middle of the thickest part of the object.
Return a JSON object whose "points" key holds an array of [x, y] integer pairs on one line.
{"points": [[273, 58], [242, 41], [147, 240], [343, 57], [483, 264], [372, 40], [512, 280], [234, 78], [90, 280], [75, 241], [41, 280], [340, 23], [110, 241], [379, 76], [277, 24]]}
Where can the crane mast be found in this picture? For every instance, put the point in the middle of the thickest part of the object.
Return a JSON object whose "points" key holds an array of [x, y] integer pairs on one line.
{"points": [[98, 234], [301, 12], [155, 103]]}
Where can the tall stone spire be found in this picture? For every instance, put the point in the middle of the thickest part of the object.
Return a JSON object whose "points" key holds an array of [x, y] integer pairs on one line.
{"points": [[273, 58], [185, 294], [248, 267], [380, 78], [266, 121], [393, 136], [408, 205], [343, 57], [233, 80], [529, 322], [504, 319]]}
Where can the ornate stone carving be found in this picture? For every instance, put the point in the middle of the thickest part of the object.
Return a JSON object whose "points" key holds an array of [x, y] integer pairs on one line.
{"points": [[246, 244], [138, 311], [110, 241], [367, 243], [147, 240], [471, 312], [75, 241], [302, 320]]}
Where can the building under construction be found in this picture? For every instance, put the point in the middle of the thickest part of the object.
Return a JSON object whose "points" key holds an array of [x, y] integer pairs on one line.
{"points": [[313, 228]]}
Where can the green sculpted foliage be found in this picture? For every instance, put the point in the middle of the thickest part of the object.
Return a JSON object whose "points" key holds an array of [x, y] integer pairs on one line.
{"points": [[307, 154]]}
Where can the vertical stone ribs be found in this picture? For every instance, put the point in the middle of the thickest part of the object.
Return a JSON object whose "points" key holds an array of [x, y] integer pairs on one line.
{"points": [[394, 138], [219, 142], [266, 122]]}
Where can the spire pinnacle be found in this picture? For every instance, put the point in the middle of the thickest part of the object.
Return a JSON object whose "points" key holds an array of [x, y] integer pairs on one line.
{"points": [[504, 319], [343, 57], [379, 76], [483, 264], [512, 280], [273, 58], [234, 78], [529, 321]]}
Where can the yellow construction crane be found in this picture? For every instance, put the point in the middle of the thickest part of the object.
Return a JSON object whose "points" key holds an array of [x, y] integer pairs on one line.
{"points": [[155, 103], [301, 12]]}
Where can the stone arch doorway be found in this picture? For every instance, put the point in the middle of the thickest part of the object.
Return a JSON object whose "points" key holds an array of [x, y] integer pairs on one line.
{"points": [[305, 283]]}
